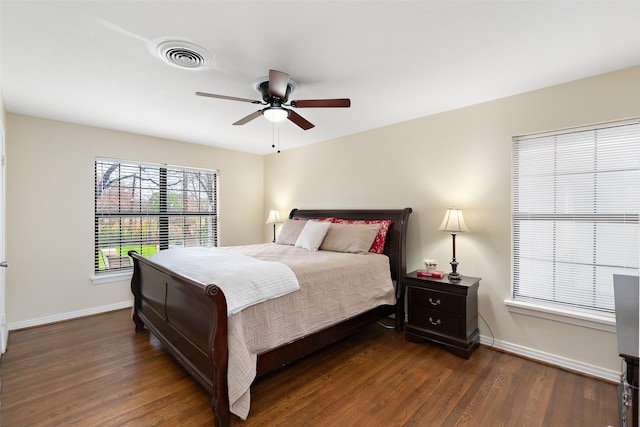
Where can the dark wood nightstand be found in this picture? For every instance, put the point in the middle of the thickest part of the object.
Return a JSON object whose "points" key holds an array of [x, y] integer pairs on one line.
{"points": [[443, 311]]}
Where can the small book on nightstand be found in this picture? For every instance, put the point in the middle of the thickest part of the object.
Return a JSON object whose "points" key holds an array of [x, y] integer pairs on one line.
{"points": [[437, 274]]}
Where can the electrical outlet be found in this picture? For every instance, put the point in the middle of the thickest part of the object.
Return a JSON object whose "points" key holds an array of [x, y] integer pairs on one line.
{"points": [[3, 320]]}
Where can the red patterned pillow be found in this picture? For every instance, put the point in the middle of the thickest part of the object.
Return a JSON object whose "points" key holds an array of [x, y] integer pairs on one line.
{"points": [[378, 243]]}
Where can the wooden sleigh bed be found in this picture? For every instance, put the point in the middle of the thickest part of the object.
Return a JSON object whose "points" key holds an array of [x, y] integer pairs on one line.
{"points": [[190, 318]]}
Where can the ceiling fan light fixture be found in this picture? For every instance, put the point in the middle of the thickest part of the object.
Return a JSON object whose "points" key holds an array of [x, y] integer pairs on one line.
{"points": [[275, 114]]}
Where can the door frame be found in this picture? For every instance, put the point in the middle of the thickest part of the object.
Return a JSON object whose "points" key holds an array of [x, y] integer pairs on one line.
{"points": [[4, 327]]}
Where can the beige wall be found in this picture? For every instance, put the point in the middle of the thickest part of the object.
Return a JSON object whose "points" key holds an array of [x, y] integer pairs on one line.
{"points": [[50, 195], [461, 158]]}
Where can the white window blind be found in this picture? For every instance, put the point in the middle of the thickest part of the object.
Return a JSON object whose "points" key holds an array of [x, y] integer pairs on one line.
{"points": [[148, 207], [576, 199]]}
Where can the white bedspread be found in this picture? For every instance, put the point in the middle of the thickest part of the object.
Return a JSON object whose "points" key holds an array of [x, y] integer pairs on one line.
{"points": [[333, 287], [244, 280]]}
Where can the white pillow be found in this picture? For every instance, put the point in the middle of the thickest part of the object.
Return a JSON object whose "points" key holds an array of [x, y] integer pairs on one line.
{"points": [[312, 235]]}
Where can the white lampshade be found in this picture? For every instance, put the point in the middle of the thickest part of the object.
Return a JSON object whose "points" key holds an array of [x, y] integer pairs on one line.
{"points": [[275, 114], [453, 221], [274, 217]]}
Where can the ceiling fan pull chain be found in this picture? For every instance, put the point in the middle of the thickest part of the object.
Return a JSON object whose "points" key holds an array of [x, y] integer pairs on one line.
{"points": [[273, 134]]}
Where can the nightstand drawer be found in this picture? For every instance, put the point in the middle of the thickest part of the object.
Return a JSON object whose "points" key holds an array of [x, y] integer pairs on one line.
{"points": [[435, 300], [436, 321]]}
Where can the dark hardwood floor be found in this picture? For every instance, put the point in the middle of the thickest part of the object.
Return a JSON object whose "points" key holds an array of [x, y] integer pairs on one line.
{"points": [[98, 371]]}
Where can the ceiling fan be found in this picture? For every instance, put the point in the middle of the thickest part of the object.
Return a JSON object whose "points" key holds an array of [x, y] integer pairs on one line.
{"points": [[275, 91]]}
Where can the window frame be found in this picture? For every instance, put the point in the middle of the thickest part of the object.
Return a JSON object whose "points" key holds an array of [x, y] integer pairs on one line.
{"points": [[144, 216], [603, 319]]}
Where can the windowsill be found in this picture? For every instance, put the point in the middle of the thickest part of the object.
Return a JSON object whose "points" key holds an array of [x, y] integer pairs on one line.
{"points": [[101, 279], [572, 317]]}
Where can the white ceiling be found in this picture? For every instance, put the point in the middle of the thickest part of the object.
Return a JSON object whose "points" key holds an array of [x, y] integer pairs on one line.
{"points": [[94, 62]]}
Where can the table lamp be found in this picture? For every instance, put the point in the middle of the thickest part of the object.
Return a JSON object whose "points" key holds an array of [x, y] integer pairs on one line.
{"points": [[274, 218], [453, 222]]}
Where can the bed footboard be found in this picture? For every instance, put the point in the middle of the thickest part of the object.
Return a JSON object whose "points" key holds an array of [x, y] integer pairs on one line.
{"points": [[190, 320]]}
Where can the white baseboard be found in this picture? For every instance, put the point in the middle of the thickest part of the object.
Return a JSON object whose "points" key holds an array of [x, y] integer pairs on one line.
{"points": [[552, 359], [70, 315]]}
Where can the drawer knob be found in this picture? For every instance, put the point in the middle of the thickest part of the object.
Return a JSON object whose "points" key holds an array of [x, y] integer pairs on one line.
{"points": [[434, 322], [436, 302]]}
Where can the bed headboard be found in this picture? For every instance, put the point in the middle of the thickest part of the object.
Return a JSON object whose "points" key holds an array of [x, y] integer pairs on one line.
{"points": [[394, 246]]}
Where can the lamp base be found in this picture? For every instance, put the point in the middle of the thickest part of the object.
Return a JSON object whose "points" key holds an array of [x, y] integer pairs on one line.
{"points": [[454, 275]]}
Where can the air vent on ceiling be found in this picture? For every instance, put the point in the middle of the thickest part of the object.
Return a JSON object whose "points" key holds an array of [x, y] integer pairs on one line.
{"points": [[185, 55]]}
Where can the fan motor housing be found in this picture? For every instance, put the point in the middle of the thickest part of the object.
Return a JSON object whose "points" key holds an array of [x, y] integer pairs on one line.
{"points": [[263, 88]]}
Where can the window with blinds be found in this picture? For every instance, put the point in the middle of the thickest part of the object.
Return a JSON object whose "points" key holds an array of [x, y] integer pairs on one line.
{"points": [[576, 199], [148, 207]]}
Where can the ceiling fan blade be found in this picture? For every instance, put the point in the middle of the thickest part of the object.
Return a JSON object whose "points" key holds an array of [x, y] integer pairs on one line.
{"points": [[247, 119], [322, 103], [278, 82], [230, 98], [299, 120]]}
